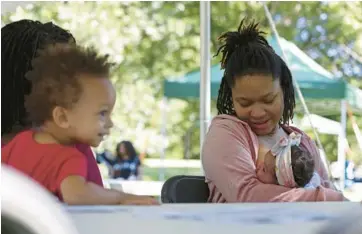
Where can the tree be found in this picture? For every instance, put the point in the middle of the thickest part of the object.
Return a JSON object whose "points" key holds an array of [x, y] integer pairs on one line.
{"points": [[151, 41]]}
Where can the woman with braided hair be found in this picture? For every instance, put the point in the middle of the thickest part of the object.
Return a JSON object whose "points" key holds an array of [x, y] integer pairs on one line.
{"points": [[20, 41], [255, 104]]}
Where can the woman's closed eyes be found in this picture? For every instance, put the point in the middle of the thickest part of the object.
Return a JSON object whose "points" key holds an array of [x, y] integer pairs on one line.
{"points": [[270, 100], [246, 103]]}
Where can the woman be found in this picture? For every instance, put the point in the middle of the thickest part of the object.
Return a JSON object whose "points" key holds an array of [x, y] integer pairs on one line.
{"points": [[255, 104], [127, 164], [20, 41]]}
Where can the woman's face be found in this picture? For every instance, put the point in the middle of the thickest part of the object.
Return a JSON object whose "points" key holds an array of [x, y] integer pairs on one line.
{"points": [[122, 149], [258, 100]]}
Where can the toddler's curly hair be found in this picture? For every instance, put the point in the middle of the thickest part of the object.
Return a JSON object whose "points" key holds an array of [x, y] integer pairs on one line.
{"points": [[55, 78]]}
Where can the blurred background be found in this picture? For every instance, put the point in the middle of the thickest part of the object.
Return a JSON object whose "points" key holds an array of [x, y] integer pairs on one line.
{"points": [[155, 43]]}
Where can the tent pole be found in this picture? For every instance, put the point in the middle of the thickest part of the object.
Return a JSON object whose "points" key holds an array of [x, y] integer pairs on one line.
{"points": [[205, 96], [355, 127], [341, 143], [161, 174]]}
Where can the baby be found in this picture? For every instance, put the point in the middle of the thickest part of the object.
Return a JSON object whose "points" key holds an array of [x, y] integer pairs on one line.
{"points": [[71, 102], [286, 164]]}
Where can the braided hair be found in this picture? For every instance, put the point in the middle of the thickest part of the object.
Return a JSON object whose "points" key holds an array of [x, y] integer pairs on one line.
{"points": [[20, 42], [247, 52]]}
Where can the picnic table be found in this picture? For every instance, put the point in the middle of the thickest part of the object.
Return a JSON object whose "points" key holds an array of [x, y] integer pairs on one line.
{"points": [[281, 218]]}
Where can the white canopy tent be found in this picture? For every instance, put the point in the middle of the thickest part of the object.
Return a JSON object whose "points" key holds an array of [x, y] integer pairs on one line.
{"points": [[323, 125]]}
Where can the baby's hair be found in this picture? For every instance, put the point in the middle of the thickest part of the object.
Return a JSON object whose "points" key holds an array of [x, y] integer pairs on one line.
{"points": [[55, 78], [20, 41], [247, 52], [303, 165]]}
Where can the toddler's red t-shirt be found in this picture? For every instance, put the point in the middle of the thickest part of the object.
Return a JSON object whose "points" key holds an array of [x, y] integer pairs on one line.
{"points": [[48, 164]]}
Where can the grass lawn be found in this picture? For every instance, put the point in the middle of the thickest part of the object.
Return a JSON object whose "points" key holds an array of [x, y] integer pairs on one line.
{"points": [[152, 174]]}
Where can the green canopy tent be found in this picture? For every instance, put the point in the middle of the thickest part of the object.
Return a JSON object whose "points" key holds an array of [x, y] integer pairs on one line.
{"points": [[321, 90]]}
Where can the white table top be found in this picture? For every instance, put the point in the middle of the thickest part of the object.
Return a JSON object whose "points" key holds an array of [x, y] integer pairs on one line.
{"points": [[299, 218], [148, 188]]}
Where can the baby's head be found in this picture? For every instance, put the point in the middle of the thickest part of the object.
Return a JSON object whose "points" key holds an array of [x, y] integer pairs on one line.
{"points": [[71, 93], [302, 165]]}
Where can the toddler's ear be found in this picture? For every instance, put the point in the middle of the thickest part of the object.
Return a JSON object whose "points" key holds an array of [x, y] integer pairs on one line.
{"points": [[60, 117]]}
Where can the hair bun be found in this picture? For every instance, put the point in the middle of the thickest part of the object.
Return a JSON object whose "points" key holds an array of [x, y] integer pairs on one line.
{"points": [[245, 35], [249, 33]]}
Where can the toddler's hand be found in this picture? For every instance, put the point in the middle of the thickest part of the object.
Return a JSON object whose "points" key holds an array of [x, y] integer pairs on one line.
{"points": [[130, 199]]}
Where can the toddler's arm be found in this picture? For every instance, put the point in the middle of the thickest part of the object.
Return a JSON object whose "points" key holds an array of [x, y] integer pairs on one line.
{"points": [[76, 191]]}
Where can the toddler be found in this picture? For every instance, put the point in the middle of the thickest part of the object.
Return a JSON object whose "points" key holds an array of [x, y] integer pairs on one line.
{"points": [[71, 102]]}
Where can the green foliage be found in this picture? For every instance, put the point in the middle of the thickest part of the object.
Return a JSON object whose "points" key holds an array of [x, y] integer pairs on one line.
{"points": [[151, 41]]}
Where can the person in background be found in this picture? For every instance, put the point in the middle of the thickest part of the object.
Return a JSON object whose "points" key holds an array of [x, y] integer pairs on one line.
{"points": [[127, 164], [105, 157]]}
